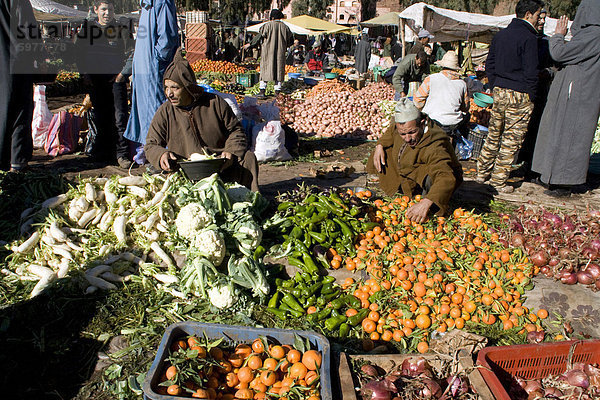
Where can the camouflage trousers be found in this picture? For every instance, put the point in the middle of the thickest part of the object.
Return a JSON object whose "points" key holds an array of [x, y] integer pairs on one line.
{"points": [[508, 124]]}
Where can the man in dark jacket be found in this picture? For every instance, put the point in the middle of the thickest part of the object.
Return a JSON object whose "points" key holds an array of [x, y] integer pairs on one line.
{"points": [[316, 59], [416, 156], [192, 121], [103, 48], [410, 69], [512, 70]]}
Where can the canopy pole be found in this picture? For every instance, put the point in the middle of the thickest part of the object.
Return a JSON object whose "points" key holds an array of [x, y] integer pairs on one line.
{"points": [[402, 36]]}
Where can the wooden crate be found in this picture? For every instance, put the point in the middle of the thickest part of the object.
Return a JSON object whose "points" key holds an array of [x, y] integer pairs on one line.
{"points": [[192, 56], [387, 361], [196, 45], [198, 31]]}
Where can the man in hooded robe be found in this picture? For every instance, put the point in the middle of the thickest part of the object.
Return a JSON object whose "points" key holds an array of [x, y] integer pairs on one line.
{"points": [[155, 45], [562, 149], [275, 37], [193, 121], [362, 54]]}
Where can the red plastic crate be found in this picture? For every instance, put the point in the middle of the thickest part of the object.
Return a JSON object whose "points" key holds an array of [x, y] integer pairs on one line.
{"points": [[531, 361], [192, 56]]}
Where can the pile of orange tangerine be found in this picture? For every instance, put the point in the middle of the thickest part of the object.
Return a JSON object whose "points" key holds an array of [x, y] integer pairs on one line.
{"points": [[249, 371], [224, 67], [437, 276]]}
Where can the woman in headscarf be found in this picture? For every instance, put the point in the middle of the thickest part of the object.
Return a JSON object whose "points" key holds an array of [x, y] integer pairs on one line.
{"points": [[562, 149]]}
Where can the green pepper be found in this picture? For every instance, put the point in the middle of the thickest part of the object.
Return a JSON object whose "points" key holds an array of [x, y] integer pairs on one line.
{"points": [[307, 241], [274, 300], [352, 301], [310, 265], [335, 313], [295, 313], [282, 315], [317, 236], [338, 303], [288, 284], [279, 282], [337, 200], [334, 322], [307, 213], [285, 205], [358, 318], [310, 199], [344, 330], [296, 292], [328, 279], [367, 226], [314, 288], [346, 231], [333, 295], [324, 313], [327, 288], [296, 232], [259, 252], [295, 262], [354, 211], [310, 301], [321, 302], [291, 301]]}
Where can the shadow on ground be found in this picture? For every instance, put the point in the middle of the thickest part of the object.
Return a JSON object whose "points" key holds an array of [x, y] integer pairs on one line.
{"points": [[42, 352]]}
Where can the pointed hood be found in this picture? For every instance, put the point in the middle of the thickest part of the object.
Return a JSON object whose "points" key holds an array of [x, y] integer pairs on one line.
{"points": [[588, 13], [180, 71]]}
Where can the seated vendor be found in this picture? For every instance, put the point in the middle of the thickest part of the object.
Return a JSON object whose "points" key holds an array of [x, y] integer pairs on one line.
{"points": [[193, 121], [316, 59], [415, 156]]}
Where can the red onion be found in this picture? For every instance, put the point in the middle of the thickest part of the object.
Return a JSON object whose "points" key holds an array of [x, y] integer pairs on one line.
{"points": [[370, 370], [517, 240], [458, 385], [568, 278], [553, 262], [536, 394], [598, 284], [589, 252], [576, 378], [585, 278], [568, 226], [564, 252], [431, 389], [595, 244], [375, 390], [414, 366], [503, 242], [555, 219], [593, 374], [552, 393], [532, 385], [546, 271], [539, 258], [593, 269]]}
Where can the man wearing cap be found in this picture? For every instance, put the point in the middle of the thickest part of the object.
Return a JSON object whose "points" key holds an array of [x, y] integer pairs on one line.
{"points": [[316, 59], [192, 121], [415, 156], [443, 96], [275, 37], [362, 54], [410, 69], [423, 39]]}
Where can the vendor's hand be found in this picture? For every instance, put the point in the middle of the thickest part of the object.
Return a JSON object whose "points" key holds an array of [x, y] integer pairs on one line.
{"points": [[229, 157], [562, 25], [379, 158], [164, 162], [418, 212]]}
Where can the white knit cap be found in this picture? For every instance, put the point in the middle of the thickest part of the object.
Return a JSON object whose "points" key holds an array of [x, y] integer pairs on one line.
{"points": [[406, 111]]}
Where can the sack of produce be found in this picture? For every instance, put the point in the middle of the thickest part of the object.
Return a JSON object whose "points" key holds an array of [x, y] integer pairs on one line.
{"points": [[63, 134], [41, 117], [268, 142]]}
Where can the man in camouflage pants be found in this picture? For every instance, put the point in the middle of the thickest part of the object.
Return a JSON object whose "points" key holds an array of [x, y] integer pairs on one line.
{"points": [[512, 70]]}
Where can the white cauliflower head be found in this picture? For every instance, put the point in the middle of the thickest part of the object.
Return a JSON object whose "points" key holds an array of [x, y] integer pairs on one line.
{"points": [[253, 235], [238, 193], [211, 244], [191, 219], [222, 296]]}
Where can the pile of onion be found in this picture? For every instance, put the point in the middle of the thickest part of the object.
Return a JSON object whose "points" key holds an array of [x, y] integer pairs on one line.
{"points": [[349, 114], [415, 379], [563, 246], [581, 381]]}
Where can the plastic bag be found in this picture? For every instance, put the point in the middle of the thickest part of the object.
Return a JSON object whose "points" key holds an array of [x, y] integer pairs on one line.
{"points": [[464, 148], [269, 111], [41, 117], [268, 142], [230, 99], [92, 134], [63, 134]]}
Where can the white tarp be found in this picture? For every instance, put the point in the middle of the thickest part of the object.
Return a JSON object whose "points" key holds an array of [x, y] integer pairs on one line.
{"points": [[51, 7], [449, 25], [298, 30]]}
